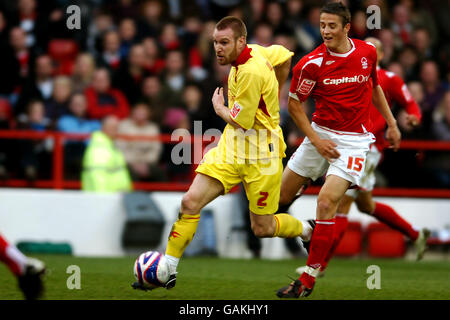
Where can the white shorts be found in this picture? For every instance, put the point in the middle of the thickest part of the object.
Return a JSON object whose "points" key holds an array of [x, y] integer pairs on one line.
{"points": [[353, 147], [368, 177]]}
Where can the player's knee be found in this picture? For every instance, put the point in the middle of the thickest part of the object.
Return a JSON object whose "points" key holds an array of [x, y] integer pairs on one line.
{"points": [[262, 231], [326, 207], [189, 203]]}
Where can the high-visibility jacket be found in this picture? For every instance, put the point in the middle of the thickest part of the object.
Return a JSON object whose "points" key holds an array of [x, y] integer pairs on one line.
{"points": [[104, 166]]}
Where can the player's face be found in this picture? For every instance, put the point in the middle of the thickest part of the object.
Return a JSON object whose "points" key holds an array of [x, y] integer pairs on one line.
{"points": [[334, 34], [226, 46]]}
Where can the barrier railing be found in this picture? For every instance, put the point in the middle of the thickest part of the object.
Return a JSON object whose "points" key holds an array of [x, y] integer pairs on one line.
{"points": [[58, 182]]}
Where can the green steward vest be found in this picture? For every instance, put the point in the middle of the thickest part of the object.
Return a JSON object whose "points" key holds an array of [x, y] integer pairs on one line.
{"points": [[104, 166]]}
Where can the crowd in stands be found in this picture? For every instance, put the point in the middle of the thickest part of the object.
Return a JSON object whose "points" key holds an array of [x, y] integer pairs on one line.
{"points": [[151, 63]]}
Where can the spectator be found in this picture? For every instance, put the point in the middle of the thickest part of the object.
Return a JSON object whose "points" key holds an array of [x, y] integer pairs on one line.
{"points": [[83, 72], [409, 60], [18, 42], [422, 43], [275, 17], [151, 23], [174, 77], [176, 118], [7, 146], [125, 9], [152, 95], [58, 104], [358, 25], [100, 24], [127, 32], [263, 34], [168, 38], [76, 122], [142, 157], [308, 35], [387, 39], [193, 101], [441, 119], [10, 60], [131, 73], [401, 24], [103, 100], [434, 90], [39, 85], [396, 68], [33, 22], [153, 62], [35, 154], [438, 164], [110, 56], [104, 166]]}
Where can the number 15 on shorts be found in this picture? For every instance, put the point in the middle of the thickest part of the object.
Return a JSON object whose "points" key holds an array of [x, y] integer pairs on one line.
{"points": [[355, 163]]}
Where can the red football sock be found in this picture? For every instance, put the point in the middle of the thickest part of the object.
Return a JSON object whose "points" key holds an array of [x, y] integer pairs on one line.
{"points": [[321, 242], [12, 257], [341, 222], [389, 216]]}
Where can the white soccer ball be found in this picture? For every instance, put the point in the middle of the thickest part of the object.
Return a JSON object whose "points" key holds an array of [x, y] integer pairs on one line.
{"points": [[151, 269]]}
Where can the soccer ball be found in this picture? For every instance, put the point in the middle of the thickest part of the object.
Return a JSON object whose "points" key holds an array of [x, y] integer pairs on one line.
{"points": [[151, 269]]}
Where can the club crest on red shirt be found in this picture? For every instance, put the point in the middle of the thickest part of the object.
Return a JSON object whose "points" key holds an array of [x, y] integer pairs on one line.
{"points": [[306, 86]]}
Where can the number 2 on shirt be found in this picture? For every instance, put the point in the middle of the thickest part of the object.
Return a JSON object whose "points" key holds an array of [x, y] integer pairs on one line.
{"points": [[355, 164]]}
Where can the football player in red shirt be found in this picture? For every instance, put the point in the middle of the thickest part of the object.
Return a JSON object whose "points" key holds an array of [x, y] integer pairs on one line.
{"points": [[396, 91], [341, 76]]}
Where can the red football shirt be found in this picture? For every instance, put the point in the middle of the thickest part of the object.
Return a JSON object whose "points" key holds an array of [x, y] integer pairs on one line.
{"points": [[340, 83], [396, 91]]}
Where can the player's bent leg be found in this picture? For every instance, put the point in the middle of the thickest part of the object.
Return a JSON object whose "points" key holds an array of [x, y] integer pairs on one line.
{"points": [[203, 190], [329, 197], [291, 183], [341, 222], [323, 237], [279, 225], [389, 216], [364, 202]]}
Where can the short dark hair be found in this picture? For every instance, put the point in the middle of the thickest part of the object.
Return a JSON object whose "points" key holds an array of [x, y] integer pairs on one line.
{"points": [[236, 24], [337, 8]]}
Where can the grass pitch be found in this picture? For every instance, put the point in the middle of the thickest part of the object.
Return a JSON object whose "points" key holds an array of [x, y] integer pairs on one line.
{"points": [[235, 279]]}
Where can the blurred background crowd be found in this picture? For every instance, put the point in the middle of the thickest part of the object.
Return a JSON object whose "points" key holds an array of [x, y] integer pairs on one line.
{"points": [[151, 65]]}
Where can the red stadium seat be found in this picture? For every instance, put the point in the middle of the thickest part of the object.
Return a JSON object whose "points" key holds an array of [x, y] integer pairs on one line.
{"points": [[384, 242], [63, 52], [351, 242]]}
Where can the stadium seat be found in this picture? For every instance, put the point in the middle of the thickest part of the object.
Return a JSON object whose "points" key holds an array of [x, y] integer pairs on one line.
{"points": [[63, 52], [351, 243], [384, 242]]}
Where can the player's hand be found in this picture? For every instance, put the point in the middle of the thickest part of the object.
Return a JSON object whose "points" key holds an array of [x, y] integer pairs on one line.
{"points": [[327, 149], [412, 120], [217, 98], [393, 136]]}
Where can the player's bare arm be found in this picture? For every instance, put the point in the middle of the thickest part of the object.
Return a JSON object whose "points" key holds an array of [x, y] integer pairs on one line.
{"points": [[221, 110], [393, 134], [282, 72], [326, 148]]}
